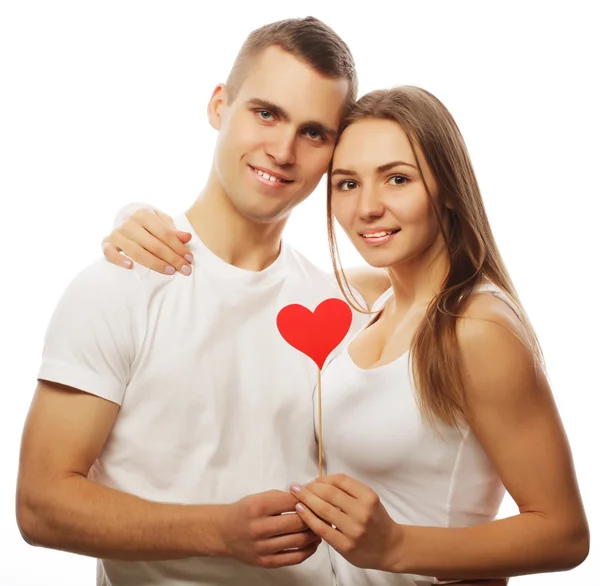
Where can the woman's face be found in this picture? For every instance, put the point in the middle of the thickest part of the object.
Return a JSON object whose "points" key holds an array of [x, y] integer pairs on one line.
{"points": [[378, 196]]}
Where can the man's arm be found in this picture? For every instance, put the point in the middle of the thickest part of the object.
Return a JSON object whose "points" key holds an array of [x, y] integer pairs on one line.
{"points": [[58, 506], [92, 340]]}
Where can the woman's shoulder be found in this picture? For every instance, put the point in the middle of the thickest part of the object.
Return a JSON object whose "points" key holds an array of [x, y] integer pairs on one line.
{"points": [[493, 339], [488, 311]]}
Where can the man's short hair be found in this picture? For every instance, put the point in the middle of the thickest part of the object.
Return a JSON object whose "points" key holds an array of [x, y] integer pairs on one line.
{"points": [[308, 39]]}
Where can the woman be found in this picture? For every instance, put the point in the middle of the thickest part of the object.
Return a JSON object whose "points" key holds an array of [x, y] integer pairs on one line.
{"points": [[442, 400]]}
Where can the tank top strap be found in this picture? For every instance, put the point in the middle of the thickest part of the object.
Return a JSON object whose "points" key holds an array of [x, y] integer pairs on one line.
{"points": [[493, 289]]}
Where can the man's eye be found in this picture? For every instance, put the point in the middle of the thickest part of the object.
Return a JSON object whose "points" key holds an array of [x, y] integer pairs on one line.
{"points": [[314, 134], [265, 115]]}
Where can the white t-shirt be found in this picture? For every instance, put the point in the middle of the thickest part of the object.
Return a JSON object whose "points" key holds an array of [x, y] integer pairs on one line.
{"points": [[215, 405], [374, 433]]}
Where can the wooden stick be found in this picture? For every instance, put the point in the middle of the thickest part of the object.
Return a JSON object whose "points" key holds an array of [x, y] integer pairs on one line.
{"points": [[320, 430]]}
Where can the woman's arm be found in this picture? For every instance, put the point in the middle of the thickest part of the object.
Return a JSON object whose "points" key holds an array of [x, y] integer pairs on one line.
{"points": [[149, 237], [514, 416]]}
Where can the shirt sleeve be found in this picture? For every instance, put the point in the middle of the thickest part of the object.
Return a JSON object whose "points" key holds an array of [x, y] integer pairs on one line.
{"points": [[96, 331]]}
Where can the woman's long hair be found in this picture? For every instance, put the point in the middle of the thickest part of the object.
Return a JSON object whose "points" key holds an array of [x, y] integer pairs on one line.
{"points": [[470, 245]]}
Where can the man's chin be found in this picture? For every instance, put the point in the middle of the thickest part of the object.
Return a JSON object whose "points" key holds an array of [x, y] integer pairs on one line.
{"points": [[266, 217], [265, 212]]}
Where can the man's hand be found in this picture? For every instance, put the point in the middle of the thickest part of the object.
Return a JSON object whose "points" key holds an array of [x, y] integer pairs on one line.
{"points": [[264, 530], [149, 237]]}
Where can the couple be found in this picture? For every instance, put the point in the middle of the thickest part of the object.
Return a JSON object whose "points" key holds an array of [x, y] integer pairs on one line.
{"points": [[171, 434]]}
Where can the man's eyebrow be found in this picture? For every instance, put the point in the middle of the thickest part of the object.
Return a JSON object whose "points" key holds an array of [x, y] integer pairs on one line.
{"points": [[281, 113], [273, 108], [316, 125], [380, 169]]}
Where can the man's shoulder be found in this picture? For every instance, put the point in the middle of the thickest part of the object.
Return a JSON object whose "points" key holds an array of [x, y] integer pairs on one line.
{"points": [[367, 284], [102, 283], [301, 268], [103, 274]]}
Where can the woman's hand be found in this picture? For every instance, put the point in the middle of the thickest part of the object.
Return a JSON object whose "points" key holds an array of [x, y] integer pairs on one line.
{"points": [[350, 517], [148, 237]]}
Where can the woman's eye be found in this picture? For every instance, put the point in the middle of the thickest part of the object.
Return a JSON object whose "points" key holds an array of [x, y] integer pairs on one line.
{"points": [[346, 185], [397, 180]]}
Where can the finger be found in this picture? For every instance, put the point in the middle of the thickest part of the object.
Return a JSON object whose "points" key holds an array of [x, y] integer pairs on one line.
{"points": [[166, 233], [335, 496], [283, 542], [165, 219], [129, 210], [349, 485], [322, 508], [288, 558], [325, 531], [283, 524], [184, 237], [143, 257], [358, 510], [276, 502], [133, 237], [113, 255], [158, 241]]}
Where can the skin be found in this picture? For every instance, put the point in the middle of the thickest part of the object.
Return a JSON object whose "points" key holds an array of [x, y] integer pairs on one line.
{"points": [[511, 409], [364, 209], [273, 127], [240, 219], [510, 402], [269, 125]]}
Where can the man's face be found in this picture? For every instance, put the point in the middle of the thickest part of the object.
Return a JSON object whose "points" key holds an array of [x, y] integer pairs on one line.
{"points": [[276, 137]]}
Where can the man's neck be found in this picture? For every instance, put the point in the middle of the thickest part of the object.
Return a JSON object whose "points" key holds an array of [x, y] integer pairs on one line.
{"points": [[233, 238]]}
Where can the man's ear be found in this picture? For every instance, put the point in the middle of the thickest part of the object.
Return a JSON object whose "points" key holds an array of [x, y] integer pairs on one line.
{"points": [[216, 104]]}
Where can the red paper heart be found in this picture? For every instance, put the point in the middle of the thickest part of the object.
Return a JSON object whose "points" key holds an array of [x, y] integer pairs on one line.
{"points": [[315, 334]]}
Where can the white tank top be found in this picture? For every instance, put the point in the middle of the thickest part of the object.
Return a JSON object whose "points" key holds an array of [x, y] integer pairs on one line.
{"points": [[373, 432]]}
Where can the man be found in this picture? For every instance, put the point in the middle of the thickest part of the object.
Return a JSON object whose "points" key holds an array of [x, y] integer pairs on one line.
{"points": [[170, 415]]}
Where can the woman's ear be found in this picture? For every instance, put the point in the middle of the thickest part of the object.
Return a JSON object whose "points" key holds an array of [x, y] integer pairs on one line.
{"points": [[449, 204]]}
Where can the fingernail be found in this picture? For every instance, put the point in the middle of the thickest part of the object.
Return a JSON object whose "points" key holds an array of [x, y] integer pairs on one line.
{"points": [[127, 263], [295, 487], [186, 270], [170, 270], [300, 508], [189, 258]]}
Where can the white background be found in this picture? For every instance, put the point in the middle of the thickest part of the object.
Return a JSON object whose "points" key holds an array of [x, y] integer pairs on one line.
{"points": [[103, 103]]}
